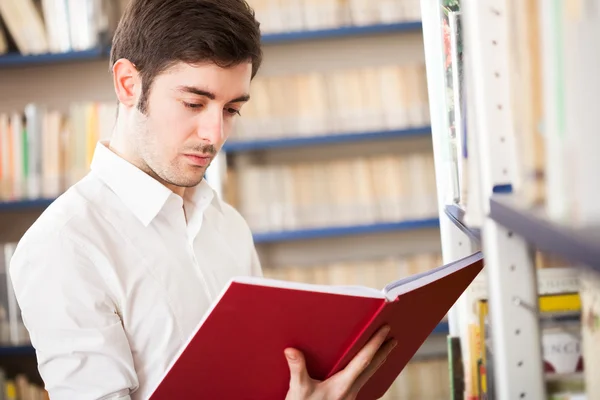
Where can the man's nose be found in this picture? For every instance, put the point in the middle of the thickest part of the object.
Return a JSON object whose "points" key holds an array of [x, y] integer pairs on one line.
{"points": [[210, 126]]}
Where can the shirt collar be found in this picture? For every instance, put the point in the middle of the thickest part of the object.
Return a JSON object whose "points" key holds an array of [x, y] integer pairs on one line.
{"points": [[143, 195]]}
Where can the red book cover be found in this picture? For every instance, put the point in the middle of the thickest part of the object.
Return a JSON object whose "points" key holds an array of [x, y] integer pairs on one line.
{"points": [[237, 351]]}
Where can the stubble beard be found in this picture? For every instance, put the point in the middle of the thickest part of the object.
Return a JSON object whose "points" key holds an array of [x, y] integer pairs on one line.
{"points": [[166, 172]]}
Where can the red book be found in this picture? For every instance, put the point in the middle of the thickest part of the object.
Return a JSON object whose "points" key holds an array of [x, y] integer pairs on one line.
{"points": [[237, 351]]}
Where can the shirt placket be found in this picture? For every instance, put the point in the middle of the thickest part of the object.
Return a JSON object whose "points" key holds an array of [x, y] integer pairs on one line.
{"points": [[190, 235]]}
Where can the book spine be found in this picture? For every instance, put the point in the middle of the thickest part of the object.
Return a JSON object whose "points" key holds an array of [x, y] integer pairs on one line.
{"points": [[360, 340]]}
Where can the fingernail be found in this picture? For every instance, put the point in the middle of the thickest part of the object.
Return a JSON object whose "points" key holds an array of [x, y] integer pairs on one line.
{"points": [[394, 343], [290, 354]]}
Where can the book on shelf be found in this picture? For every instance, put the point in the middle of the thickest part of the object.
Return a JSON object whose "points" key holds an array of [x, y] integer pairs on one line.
{"points": [[350, 100], [330, 324], [590, 330], [12, 329], [453, 86], [3, 39], [20, 387], [526, 98], [59, 26]]}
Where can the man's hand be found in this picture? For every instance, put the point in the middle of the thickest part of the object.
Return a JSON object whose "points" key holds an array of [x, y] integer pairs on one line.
{"points": [[344, 385]]}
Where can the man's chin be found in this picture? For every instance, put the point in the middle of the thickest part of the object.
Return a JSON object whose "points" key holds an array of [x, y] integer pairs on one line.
{"points": [[188, 181]]}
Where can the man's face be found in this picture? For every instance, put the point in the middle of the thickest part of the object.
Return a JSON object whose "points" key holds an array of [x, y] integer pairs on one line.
{"points": [[190, 112]]}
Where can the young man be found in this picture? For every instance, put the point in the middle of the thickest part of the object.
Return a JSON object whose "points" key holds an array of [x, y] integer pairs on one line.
{"points": [[115, 275]]}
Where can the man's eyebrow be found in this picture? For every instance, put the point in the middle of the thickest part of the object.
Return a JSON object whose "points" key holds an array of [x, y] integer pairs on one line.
{"points": [[195, 90], [210, 95], [241, 99]]}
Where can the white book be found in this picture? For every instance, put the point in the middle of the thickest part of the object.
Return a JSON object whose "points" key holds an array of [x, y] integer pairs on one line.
{"points": [[34, 116], [25, 24], [19, 182], [3, 40], [5, 151], [56, 19]]}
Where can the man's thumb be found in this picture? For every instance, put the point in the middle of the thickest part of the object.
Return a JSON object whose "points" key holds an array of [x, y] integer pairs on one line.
{"points": [[297, 365]]}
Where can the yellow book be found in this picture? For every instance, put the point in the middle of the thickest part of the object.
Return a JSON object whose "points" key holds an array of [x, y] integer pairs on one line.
{"points": [[4, 155]]}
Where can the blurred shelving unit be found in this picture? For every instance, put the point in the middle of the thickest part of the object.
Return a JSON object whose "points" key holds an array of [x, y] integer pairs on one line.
{"points": [[516, 177]]}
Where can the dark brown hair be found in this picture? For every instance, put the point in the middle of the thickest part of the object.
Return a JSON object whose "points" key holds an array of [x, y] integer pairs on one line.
{"points": [[155, 34]]}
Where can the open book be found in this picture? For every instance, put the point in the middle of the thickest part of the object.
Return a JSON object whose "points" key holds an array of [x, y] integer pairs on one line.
{"points": [[237, 351]]}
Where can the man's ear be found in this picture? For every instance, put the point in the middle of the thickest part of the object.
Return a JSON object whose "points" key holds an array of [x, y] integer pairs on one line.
{"points": [[127, 82]]}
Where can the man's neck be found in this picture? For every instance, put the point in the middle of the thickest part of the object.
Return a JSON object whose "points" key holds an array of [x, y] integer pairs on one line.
{"points": [[119, 145]]}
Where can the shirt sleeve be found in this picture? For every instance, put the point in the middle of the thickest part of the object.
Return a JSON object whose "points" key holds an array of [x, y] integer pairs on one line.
{"points": [[73, 322]]}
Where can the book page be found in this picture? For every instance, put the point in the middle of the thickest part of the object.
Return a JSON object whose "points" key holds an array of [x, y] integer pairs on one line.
{"points": [[349, 290], [394, 289]]}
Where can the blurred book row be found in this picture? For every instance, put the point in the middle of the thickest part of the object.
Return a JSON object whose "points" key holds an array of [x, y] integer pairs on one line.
{"points": [[555, 112], [301, 15], [568, 312], [423, 380], [43, 152], [562, 347], [552, 109], [12, 329], [373, 273], [20, 388], [343, 191], [57, 26], [340, 101]]}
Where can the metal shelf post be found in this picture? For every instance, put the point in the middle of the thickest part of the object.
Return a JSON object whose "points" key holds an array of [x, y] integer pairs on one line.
{"points": [[512, 283]]}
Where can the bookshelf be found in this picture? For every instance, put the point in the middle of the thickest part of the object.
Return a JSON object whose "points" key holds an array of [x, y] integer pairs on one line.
{"points": [[390, 135], [238, 146], [350, 230], [342, 32], [576, 243], [19, 205], [516, 178], [17, 351], [13, 60], [457, 216]]}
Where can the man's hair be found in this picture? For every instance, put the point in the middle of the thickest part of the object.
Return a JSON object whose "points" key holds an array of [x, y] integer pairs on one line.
{"points": [[156, 34]]}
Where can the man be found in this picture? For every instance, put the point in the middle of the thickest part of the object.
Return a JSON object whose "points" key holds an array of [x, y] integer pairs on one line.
{"points": [[116, 274]]}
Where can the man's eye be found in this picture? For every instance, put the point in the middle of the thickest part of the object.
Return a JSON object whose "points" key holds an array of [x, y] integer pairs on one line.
{"points": [[233, 111], [192, 105]]}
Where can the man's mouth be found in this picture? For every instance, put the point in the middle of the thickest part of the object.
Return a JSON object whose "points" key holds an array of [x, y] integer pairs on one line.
{"points": [[200, 160]]}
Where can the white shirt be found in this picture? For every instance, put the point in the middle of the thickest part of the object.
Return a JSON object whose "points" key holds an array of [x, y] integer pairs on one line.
{"points": [[112, 280]]}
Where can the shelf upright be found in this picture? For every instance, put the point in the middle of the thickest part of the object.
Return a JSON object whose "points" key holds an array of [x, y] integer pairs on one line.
{"points": [[511, 275], [456, 243]]}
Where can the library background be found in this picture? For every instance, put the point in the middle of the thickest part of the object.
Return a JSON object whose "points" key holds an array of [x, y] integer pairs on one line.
{"points": [[387, 137]]}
